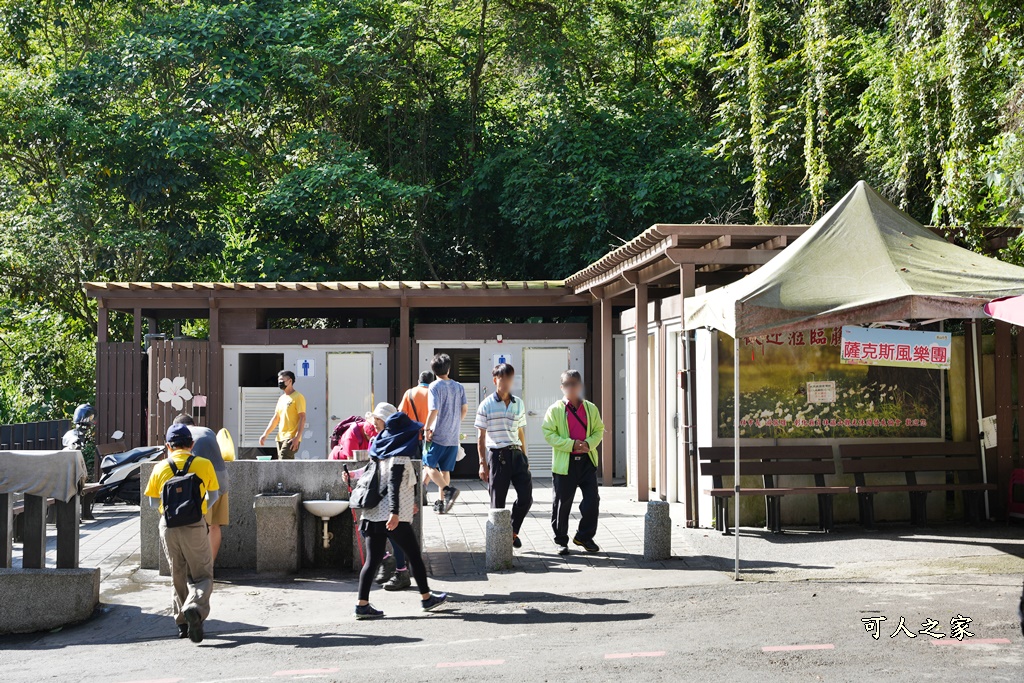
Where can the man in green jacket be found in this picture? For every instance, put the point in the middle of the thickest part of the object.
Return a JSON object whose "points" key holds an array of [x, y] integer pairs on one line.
{"points": [[574, 428]]}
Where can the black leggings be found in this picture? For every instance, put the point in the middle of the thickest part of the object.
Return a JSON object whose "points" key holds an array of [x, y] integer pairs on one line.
{"points": [[375, 539]]}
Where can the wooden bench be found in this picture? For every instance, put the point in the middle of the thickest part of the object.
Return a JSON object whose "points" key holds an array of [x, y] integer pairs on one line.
{"points": [[19, 524], [958, 461], [771, 462]]}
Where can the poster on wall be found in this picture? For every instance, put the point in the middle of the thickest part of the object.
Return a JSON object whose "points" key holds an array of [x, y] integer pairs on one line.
{"points": [[796, 386]]}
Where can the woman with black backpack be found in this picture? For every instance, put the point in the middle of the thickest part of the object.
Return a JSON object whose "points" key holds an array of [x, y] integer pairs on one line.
{"points": [[387, 512]]}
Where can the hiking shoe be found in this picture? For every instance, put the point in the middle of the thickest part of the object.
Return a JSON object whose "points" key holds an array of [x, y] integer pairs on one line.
{"points": [[439, 506], [434, 601], [563, 550], [386, 571], [195, 624], [449, 500], [516, 543], [367, 612], [182, 630], [589, 546], [399, 582]]}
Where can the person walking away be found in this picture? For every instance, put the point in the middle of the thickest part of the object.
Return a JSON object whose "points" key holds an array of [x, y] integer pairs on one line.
{"points": [[391, 519], [446, 402], [204, 445], [573, 428], [414, 404], [501, 444], [183, 528], [289, 416]]}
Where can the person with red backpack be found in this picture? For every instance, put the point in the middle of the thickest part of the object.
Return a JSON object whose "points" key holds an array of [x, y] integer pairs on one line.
{"points": [[352, 434]]}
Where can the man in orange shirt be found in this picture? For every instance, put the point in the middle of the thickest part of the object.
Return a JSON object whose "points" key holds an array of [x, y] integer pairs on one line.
{"points": [[414, 403]]}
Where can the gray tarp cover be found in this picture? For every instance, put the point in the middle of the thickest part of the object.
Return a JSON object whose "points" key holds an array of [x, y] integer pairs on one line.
{"points": [[49, 474], [864, 261]]}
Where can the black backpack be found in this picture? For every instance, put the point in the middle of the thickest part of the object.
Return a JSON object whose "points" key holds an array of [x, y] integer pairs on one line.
{"points": [[366, 495], [182, 496]]}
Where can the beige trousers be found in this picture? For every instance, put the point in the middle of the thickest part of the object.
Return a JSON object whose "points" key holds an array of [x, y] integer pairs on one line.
{"points": [[188, 554]]}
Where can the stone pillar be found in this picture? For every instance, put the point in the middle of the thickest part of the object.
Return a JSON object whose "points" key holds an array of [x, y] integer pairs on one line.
{"points": [[657, 531], [498, 555], [149, 525], [6, 531], [277, 532], [34, 547], [68, 520]]}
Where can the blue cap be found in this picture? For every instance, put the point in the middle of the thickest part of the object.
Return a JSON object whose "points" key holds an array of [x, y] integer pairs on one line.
{"points": [[179, 434]]}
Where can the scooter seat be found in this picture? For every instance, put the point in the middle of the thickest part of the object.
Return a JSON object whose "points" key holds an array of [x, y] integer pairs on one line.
{"points": [[115, 459]]}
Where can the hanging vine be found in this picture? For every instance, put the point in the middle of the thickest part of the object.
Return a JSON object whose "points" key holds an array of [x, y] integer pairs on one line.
{"points": [[757, 95], [821, 45]]}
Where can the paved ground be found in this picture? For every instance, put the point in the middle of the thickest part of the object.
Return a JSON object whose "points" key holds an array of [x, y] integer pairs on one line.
{"points": [[796, 616]]}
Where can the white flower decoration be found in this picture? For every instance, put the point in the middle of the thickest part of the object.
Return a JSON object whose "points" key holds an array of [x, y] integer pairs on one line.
{"points": [[173, 391]]}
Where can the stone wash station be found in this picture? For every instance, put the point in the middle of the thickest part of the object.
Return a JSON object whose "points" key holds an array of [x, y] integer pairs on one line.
{"points": [[277, 511]]}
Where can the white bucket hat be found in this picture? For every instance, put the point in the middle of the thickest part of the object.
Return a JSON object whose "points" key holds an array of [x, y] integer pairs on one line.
{"points": [[383, 411]]}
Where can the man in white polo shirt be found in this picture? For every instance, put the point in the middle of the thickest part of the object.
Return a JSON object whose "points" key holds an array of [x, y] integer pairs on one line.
{"points": [[501, 425]]}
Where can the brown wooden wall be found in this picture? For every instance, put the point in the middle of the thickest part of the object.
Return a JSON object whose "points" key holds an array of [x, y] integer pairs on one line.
{"points": [[180, 358], [120, 379]]}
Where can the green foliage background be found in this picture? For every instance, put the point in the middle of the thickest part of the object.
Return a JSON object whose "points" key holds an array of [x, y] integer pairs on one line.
{"points": [[288, 139]]}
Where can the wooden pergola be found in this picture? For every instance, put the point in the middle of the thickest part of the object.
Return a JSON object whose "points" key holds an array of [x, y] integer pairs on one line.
{"points": [[665, 260]]}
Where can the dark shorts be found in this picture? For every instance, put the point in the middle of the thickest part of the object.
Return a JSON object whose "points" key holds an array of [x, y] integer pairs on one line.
{"points": [[285, 450], [441, 457]]}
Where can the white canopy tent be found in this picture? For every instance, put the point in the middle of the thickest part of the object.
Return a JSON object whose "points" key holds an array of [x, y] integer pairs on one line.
{"points": [[863, 262]]}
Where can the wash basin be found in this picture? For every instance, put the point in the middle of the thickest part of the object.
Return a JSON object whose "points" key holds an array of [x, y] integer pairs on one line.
{"points": [[325, 509]]}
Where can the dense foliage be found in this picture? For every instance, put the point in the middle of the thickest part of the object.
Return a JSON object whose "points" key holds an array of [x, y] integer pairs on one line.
{"points": [[306, 139]]}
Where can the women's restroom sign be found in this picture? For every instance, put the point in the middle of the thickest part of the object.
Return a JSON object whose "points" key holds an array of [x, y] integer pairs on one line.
{"points": [[304, 367]]}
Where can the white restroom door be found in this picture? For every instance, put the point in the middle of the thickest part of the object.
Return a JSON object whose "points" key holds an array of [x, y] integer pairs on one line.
{"points": [[542, 373], [349, 386]]}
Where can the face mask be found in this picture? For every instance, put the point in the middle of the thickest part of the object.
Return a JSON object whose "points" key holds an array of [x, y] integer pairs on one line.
{"points": [[280, 385]]}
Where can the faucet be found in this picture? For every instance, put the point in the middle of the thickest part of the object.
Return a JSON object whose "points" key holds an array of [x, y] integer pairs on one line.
{"points": [[280, 487], [327, 496]]}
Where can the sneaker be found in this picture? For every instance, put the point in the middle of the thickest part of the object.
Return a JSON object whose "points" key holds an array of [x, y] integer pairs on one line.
{"points": [[399, 582], [182, 630], [367, 612], [195, 624], [516, 543], [563, 550], [449, 501], [439, 506], [589, 546], [434, 601]]}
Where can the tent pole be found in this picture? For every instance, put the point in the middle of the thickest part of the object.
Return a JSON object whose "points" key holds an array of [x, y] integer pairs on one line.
{"points": [[736, 449], [977, 394]]}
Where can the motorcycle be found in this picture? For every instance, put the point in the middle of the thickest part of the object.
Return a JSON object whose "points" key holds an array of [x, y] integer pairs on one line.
{"points": [[120, 475], [119, 472]]}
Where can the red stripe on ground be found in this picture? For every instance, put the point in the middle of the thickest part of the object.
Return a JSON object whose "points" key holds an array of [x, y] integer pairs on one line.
{"points": [[156, 680], [630, 655], [794, 648], [303, 672], [480, 662], [972, 641]]}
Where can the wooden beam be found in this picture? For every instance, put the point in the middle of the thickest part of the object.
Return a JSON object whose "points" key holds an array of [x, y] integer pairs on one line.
{"points": [[404, 348], [732, 257], [777, 242], [137, 327], [102, 323], [641, 373], [606, 365], [722, 242], [687, 425], [1004, 419]]}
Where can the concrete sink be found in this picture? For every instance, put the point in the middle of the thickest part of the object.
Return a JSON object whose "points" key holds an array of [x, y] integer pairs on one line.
{"points": [[325, 509]]}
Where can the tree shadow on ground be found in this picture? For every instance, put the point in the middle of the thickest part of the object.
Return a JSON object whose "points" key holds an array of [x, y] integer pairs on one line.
{"points": [[533, 596]]}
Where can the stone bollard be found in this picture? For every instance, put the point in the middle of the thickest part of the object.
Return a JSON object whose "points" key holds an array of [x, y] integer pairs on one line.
{"points": [[498, 555], [657, 531]]}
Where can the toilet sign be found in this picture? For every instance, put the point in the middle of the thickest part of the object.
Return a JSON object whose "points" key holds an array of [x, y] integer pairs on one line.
{"points": [[503, 357], [304, 367]]}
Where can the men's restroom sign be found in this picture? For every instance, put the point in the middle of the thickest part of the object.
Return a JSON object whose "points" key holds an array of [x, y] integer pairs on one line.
{"points": [[304, 367], [504, 357]]}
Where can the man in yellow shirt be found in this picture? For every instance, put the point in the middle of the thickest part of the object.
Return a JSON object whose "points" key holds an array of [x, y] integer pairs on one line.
{"points": [[187, 547], [290, 415]]}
